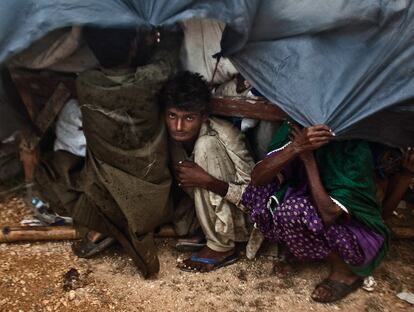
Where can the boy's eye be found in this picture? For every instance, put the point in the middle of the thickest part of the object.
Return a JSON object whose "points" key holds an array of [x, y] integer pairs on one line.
{"points": [[190, 118], [171, 116]]}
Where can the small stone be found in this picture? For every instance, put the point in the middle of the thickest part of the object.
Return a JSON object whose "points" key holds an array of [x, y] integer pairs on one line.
{"points": [[71, 295], [64, 302], [57, 305]]}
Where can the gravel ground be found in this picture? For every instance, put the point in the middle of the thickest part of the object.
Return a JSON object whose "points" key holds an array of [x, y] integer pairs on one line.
{"points": [[32, 278]]}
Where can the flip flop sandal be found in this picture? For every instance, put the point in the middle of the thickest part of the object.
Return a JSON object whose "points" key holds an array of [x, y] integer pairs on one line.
{"points": [[233, 258], [337, 289], [188, 246], [87, 249]]}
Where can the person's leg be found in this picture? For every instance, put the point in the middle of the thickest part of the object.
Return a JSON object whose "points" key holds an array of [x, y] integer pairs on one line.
{"points": [[300, 228], [184, 220], [96, 236], [216, 228], [221, 221], [57, 181], [218, 247], [351, 243], [340, 282], [187, 226], [183, 215], [286, 264]]}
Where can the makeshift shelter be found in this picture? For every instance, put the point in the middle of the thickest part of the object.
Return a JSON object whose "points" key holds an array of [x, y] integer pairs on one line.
{"points": [[348, 64]]}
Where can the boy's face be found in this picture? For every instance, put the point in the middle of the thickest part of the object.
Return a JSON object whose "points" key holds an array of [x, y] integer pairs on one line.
{"points": [[183, 126]]}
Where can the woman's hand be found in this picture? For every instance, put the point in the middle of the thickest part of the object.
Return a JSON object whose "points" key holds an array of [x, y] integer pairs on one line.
{"points": [[306, 140]]}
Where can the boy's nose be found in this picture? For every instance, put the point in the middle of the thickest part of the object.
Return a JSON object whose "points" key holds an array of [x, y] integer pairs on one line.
{"points": [[179, 124]]}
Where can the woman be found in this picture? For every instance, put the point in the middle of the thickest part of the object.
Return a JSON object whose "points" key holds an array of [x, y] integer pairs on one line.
{"points": [[318, 198]]}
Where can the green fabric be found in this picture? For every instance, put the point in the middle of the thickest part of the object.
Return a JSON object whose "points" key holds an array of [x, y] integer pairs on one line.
{"points": [[346, 169]]}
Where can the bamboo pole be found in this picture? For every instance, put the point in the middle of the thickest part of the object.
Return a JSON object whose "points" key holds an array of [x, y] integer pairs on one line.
{"points": [[17, 233], [10, 234]]}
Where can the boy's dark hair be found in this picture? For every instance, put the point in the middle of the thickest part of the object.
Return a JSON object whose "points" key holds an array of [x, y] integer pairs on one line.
{"points": [[112, 46], [186, 91]]}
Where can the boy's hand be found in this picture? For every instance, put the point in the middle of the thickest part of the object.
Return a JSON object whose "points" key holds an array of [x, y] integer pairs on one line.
{"points": [[189, 174]]}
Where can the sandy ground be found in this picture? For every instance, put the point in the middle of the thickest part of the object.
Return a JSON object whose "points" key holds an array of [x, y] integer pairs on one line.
{"points": [[32, 279]]}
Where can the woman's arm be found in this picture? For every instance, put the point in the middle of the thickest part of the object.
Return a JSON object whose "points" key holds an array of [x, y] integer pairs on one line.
{"points": [[267, 170], [302, 140], [398, 185], [327, 209], [313, 138]]}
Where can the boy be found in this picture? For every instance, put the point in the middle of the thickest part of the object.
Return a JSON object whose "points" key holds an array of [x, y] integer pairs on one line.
{"points": [[211, 164]]}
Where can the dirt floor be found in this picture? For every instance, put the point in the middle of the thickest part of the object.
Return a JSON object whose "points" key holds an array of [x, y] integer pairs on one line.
{"points": [[32, 279]]}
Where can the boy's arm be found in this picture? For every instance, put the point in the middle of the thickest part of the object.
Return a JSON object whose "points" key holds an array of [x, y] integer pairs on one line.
{"points": [[236, 149]]}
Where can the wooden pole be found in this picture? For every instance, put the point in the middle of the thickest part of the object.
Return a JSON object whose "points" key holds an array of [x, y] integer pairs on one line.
{"points": [[10, 234], [246, 107], [403, 232]]}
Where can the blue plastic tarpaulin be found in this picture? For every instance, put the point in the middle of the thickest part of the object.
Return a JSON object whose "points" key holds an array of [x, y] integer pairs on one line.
{"points": [[346, 63]]}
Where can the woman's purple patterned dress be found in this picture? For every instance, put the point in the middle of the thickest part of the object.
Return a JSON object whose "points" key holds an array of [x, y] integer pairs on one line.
{"points": [[296, 223]]}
